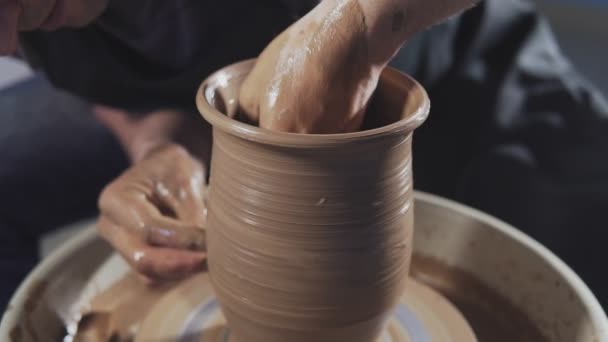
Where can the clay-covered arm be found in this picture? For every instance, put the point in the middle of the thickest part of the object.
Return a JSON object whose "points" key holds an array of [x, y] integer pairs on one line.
{"points": [[392, 22], [318, 75]]}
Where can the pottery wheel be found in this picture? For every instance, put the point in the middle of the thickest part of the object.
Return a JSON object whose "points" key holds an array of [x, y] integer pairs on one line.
{"points": [[191, 313]]}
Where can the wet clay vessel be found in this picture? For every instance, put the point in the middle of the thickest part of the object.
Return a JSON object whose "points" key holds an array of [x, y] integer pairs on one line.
{"points": [[310, 236]]}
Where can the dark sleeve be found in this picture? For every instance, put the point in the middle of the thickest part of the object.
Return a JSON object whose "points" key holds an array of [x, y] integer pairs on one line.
{"points": [[154, 56], [515, 130]]}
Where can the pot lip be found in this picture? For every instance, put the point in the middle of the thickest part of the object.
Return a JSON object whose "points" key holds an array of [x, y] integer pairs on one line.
{"points": [[224, 123]]}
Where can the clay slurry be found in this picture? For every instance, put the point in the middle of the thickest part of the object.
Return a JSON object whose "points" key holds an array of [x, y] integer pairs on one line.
{"points": [[493, 317], [128, 303]]}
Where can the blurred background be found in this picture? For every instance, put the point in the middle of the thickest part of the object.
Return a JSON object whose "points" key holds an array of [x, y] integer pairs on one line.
{"points": [[581, 27]]}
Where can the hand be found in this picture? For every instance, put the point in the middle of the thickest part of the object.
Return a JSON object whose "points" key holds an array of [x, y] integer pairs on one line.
{"points": [[154, 214], [316, 77], [390, 23], [319, 75]]}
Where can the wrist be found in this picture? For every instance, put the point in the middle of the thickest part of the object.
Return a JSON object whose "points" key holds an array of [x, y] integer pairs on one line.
{"points": [[390, 23], [142, 135], [387, 27], [142, 148], [358, 23], [170, 128]]}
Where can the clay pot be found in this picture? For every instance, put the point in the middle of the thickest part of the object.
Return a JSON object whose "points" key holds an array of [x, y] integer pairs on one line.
{"points": [[309, 236]]}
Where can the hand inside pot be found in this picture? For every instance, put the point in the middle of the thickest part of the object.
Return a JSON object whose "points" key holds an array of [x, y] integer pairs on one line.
{"points": [[319, 75], [316, 77]]}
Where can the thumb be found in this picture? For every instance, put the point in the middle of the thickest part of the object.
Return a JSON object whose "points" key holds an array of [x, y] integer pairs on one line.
{"points": [[10, 12]]}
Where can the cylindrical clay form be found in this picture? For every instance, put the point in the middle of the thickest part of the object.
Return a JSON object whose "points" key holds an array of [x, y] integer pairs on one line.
{"points": [[309, 236]]}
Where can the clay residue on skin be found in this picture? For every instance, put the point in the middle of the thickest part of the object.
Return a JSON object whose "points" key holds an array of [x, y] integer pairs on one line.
{"points": [[493, 317], [315, 77], [153, 214]]}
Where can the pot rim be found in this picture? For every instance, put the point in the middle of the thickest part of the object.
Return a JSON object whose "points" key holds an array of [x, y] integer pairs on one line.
{"points": [[224, 123]]}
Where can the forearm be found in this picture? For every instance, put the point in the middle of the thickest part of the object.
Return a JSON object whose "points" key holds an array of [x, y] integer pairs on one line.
{"points": [[142, 134], [390, 23]]}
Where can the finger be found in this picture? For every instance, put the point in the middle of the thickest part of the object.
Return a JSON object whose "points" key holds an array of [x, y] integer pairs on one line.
{"points": [[184, 191], [152, 262], [187, 201], [187, 209], [164, 231], [168, 281], [137, 213]]}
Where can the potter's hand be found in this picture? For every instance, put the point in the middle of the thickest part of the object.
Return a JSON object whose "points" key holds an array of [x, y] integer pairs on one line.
{"points": [[153, 214], [318, 75]]}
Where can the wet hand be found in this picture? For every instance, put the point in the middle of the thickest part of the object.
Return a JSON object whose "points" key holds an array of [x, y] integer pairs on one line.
{"points": [[319, 75], [154, 214], [316, 77]]}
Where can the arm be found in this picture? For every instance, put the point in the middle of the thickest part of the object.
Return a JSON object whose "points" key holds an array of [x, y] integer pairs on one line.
{"points": [[153, 214], [139, 135], [515, 130], [341, 43], [390, 23]]}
